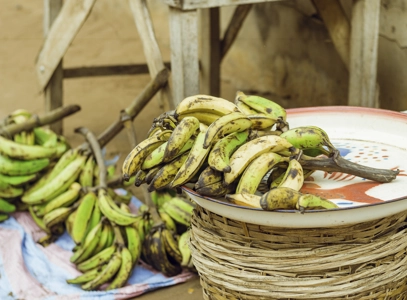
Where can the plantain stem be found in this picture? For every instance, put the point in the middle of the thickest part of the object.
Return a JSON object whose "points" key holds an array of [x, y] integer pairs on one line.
{"points": [[128, 124], [36, 121], [97, 153], [118, 235], [115, 182], [337, 163]]}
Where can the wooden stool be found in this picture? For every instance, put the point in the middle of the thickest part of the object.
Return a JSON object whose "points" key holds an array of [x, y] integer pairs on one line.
{"points": [[356, 44]]}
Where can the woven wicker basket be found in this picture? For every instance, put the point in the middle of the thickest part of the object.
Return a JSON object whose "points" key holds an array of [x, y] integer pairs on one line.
{"points": [[236, 260]]}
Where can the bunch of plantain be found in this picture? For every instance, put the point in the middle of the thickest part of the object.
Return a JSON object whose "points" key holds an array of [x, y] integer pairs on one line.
{"points": [[56, 195], [173, 209], [25, 158], [68, 190], [161, 251], [54, 200], [107, 234], [233, 150], [109, 239], [224, 149], [165, 247]]}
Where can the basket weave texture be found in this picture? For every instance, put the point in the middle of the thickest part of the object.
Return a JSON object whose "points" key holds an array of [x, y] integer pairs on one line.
{"points": [[237, 260]]}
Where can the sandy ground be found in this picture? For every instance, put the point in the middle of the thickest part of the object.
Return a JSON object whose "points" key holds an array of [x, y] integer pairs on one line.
{"points": [[109, 37]]}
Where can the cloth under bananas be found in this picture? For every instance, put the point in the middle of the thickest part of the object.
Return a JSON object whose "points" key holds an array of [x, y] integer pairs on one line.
{"points": [[242, 151]]}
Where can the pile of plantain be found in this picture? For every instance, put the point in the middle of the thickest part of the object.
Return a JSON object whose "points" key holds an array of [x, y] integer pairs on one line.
{"points": [[72, 189], [242, 151], [25, 158], [111, 239]]}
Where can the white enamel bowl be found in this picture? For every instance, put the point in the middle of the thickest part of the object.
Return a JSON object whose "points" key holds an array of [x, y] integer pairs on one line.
{"points": [[372, 137]]}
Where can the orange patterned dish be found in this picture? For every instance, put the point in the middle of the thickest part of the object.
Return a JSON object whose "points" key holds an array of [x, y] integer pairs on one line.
{"points": [[372, 137]]}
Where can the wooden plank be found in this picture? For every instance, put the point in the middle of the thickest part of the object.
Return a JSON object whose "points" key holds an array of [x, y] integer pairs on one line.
{"points": [[195, 4], [210, 51], [363, 53], [95, 71], [53, 93], [145, 29], [239, 15], [152, 51], [184, 53], [66, 25], [337, 24], [51, 11]]}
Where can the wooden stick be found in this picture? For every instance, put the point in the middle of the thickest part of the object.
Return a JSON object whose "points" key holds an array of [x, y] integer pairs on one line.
{"points": [[128, 124], [126, 117], [337, 163], [36, 121], [95, 71], [198, 4], [136, 106]]}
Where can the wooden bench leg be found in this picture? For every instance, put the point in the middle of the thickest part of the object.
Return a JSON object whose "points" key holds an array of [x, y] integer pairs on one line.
{"points": [[210, 51], [363, 53], [184, 53], [53, 92]]}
